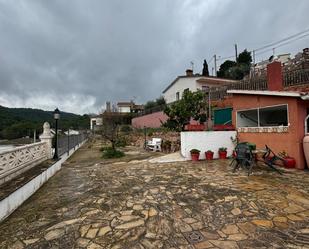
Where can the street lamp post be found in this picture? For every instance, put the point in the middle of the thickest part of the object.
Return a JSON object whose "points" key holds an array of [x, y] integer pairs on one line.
{"points": [[145, 137], [68, 141], [56, 117]]}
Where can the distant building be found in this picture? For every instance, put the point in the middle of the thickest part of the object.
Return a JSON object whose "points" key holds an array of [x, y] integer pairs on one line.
{"points": [[129, 107], [72, 132], [300, 61], [95, 122], [192, 82]]}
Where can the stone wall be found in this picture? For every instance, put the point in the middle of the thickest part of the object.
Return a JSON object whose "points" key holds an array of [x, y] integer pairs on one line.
{"points": [[138, 139]]}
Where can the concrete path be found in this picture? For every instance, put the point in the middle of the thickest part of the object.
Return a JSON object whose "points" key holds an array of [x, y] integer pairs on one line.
{"points": [[132, 203]]}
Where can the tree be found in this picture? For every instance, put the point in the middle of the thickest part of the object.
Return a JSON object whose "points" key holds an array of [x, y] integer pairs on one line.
{"points": [[244, 58], [225, 67], [110, 126], [236, 70], [192, 105], [205, 69], [154, 103]]}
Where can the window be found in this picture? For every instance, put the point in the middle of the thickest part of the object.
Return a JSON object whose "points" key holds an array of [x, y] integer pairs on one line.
{"points": [[274, 116], [247, 118], [186, 90], [271, 116], [177, 96]]}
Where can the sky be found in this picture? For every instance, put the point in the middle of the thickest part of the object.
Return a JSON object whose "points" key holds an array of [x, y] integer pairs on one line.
{"points": [[76, 54]]}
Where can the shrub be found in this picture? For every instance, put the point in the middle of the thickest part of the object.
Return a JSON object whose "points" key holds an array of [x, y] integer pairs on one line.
{"points": [[209, 151], [222, 149], [194, 151], [109, 152], [126, 128], [121, 142]]}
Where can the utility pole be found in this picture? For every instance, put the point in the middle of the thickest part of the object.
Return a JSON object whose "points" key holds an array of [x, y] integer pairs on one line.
{"points": [[253, 55], [215, 59], [236, 54]]}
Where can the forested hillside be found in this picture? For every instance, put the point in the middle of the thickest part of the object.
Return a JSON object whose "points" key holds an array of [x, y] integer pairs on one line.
{"points": [[20, 122]]}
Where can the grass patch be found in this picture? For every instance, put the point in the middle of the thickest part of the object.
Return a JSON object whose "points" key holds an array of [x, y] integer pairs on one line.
{"points": [[109, 152]]}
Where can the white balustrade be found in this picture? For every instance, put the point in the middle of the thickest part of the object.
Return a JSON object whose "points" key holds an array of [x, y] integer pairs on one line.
{"points": [[15, 161]]}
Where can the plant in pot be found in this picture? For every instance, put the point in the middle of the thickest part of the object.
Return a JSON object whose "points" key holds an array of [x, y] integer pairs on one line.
{"points": [[289, 162], [209, 155], [195, 154], [222, 153]]}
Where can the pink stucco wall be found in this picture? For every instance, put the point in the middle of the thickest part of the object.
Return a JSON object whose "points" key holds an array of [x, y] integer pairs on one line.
{"points": [[153, 120]]}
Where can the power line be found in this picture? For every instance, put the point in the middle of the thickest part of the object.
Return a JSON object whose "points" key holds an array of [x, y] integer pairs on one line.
{"points": [[282, 40], [282, 44], [272, 46]]}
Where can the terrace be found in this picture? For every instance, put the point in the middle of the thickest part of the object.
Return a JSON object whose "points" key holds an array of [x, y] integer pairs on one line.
{"points": [[133, 203]]}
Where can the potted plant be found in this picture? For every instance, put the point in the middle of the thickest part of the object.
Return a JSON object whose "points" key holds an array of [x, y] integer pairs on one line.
{"points": [[289, 162], [195, 154], [209, 155], [222, 153]]}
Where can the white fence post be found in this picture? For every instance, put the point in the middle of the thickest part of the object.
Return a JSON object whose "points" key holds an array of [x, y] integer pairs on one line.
{"points": [[47, 137]]}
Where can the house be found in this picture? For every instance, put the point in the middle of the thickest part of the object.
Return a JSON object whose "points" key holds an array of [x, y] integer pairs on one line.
{"points": [[128, 107], [273, 117], [192, 82], [95, 122], [72, 132]]}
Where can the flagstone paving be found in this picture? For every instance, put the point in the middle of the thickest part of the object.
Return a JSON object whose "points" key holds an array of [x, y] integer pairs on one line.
{"points": [[93, 203]]}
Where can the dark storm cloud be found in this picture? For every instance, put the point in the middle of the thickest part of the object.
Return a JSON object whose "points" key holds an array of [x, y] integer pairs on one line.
{"points": [[79, 54]]}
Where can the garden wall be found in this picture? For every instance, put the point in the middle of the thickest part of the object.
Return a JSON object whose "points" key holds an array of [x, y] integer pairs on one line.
{"points": [[153, 120], [206, 140]]}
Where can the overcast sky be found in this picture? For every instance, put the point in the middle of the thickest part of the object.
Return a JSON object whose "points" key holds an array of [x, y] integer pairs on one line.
{"points": [[78, 54]]}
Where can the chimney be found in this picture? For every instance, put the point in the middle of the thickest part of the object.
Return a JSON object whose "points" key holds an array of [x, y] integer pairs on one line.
{"points": [[108, 106], [274, 76], [189, 72]]}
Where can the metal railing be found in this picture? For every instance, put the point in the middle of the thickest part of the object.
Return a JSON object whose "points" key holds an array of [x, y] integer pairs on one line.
{"points": [[251, 84], [296, 77], [66, 143]]}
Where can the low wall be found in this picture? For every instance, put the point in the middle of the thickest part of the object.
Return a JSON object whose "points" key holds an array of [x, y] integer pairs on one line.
{"points": [[206, 140], [153, 120], [14, 162], [15, 199]]}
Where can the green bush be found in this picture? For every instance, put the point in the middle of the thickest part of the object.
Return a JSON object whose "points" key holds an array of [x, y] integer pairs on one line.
{"points": [[121, 142], [104, 148], [109, 152], [126, 128]]}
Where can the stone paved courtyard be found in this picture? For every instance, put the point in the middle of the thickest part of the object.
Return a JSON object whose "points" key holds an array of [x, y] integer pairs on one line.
{"points": [[130, 203]]}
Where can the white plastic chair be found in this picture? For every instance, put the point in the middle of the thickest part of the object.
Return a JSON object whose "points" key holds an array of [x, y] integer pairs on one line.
{"points": [[154, 144]]}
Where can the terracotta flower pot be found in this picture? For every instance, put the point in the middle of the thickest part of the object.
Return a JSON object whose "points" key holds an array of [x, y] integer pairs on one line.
{"points": [[209, 155], [289, 162], [222, 154], [195, 156]]}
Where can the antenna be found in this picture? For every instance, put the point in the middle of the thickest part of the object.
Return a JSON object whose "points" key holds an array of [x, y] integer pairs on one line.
{"points": [[192, 65]]}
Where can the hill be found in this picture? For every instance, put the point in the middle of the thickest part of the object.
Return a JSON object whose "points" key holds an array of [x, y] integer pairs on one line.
{"points": [[20, 122]]}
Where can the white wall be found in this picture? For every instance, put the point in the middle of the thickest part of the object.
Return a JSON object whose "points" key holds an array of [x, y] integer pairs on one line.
{"points": [[206, 140], [180, 86], [124, 109], [15, 199], [95, 121]]}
